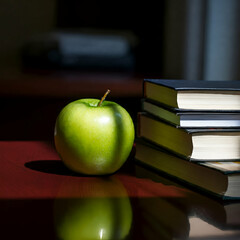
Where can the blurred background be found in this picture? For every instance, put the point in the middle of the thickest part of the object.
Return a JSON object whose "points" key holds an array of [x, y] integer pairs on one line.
{"points": [[55, 51]]}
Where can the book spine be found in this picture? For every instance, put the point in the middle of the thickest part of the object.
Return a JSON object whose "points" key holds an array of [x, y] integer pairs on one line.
{"points": [[138, 131]]}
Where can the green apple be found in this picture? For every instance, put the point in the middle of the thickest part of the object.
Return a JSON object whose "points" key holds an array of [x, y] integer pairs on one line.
{"points": [[94, 137], [92, 208]]}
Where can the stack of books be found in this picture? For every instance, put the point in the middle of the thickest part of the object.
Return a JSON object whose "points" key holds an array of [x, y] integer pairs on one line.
{"points": [[190, 130]]}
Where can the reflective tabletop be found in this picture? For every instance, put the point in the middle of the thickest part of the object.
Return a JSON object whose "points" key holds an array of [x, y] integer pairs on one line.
{"points": [[42, 199]]}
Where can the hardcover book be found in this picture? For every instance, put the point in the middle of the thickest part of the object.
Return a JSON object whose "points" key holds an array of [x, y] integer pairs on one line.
{"points": [[192, 119], [221, 179], [196, 144], [198, 95]]}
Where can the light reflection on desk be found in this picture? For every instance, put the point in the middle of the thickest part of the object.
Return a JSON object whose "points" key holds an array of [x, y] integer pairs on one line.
{"points": [[202, 229], [41, 199]]}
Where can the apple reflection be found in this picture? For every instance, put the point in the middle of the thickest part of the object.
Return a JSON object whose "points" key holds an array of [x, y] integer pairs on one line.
{"points": [[92, 208]]}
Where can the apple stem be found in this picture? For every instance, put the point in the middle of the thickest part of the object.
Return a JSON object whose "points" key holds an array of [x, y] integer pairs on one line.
{"points": [[103, 98]]}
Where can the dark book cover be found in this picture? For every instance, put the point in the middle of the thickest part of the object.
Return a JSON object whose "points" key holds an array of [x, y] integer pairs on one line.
{"points": [[197, 84]]}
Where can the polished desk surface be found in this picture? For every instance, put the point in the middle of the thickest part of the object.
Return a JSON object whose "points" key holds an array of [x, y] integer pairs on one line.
{"points": [[41, 199]]}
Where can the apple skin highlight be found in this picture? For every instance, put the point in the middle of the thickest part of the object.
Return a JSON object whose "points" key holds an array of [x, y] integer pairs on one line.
{"points": [[92, 139]]}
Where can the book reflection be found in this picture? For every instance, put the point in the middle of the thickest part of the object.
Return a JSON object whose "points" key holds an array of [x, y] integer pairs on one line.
{"points": [[192, 216]]}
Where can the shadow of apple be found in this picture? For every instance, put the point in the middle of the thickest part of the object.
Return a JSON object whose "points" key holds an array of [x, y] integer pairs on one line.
{"points": [[92, 208]]}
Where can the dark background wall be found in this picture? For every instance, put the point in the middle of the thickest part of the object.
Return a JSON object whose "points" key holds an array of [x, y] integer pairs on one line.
{"points": [[187, 39]]}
